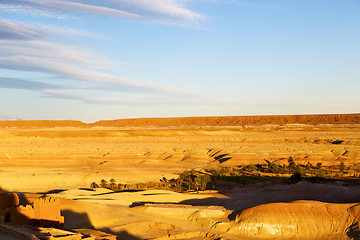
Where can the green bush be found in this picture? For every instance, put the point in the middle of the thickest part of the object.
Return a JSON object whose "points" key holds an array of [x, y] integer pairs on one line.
{"points": [[319, 165], [249, 168], [291, 162], [342, 166], [193, 180]]}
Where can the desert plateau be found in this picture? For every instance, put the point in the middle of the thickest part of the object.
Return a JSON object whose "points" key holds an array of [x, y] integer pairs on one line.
{"points": [[250, 177]]}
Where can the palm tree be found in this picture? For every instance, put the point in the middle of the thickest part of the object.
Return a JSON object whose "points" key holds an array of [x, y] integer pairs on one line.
{"points": [[94, 185], [103, 183], [112, 184]]}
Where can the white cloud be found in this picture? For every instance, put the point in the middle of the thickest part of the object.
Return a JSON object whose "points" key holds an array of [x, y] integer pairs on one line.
{"points": [[72, 6], [14, 31], [163, 8], [61, 30], [73, 67], [16, 83], [14, 7], [94, 100], [77, 68], [68, 62], [148, 9]]}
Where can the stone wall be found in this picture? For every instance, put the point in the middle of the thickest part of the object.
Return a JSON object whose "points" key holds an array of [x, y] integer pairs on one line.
{"points": [[8, 200], [44, 211], [47, 208]]}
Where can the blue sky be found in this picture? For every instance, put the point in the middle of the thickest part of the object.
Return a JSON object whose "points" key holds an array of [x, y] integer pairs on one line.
{"points": [[90, 60]]}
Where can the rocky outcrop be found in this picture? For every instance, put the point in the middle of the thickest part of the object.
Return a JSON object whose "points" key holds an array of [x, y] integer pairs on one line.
{"points": [[299, 219]]}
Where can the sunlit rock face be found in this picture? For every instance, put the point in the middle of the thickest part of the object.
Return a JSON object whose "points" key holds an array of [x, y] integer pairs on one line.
{"points": [[300, 219]]}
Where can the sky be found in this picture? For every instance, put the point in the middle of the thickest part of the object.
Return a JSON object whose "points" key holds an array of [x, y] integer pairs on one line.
{"points": [[90, 60]]}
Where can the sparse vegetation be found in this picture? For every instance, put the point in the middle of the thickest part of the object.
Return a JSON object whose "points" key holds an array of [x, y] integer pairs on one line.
{"points": [[291, 162], [94, 185], [112, 184], [246, 175], [318, 165], [342, 167], [103, 183]]}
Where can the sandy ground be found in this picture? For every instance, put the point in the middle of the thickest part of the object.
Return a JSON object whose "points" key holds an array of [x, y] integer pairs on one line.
{"points": [[67, 155], [44, 159], [162, 214]]}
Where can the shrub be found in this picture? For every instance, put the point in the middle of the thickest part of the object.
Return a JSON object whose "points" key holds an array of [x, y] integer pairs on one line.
{"points": [[297, 175], [193, 180], [291, 162], [342, 166], [201, 181], [249, 168], [308, 166], [319, 165], [320, 174], [120, 187]]}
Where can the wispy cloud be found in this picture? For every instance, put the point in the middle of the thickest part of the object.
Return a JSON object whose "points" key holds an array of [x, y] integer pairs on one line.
{"points": [[64, 30], [14, 31], [96, 100], [16, 83], [77, 68], [73, 6], [69, 63], [16, 7], [151, 10], [72, 67], [163, 8]]}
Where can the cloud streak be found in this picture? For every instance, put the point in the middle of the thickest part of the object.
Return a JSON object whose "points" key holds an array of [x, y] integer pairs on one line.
{"points": [[16, 83], [71, 6], [163, 8], [72, 67], [95, 100], [25, 48], [151, 10], [14, 31]]}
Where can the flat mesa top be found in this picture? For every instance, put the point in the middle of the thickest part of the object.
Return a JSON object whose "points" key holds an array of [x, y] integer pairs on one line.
{"points": [[192, 121]]}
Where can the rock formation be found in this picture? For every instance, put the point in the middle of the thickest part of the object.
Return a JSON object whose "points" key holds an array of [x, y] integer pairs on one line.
{"points": [[299, 219]]}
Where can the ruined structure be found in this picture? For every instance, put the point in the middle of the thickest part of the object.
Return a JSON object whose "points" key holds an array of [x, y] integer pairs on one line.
{"points": [[39, 220], [44, 211]]}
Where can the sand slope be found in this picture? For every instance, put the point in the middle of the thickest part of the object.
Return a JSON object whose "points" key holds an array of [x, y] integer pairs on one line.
{"points": [[300, 220], [38, 156], [43, 155], [274, 212]]}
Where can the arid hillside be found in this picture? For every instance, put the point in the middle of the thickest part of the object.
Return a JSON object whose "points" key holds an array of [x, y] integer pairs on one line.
{"points": [[64, 158], [48, 154], [192, 121], [233, 120]]}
